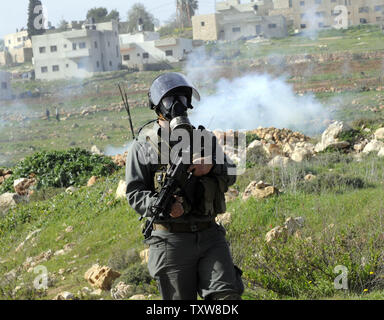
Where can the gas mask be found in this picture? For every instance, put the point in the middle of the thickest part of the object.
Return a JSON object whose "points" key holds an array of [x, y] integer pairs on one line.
{"points": [[174, 109]]}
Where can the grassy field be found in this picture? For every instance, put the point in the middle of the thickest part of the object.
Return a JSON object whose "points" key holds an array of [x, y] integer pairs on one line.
{"points": [[342, 209]]}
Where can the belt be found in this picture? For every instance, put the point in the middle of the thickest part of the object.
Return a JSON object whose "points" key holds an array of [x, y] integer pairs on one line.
{"points": [[183, 227]]}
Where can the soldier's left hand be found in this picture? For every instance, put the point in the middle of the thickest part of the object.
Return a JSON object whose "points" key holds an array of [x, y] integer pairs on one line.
{"points": [[201, 166]]}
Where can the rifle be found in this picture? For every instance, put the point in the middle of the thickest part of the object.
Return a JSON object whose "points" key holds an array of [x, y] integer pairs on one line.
{"points": [[175, 177], [126, 106]]}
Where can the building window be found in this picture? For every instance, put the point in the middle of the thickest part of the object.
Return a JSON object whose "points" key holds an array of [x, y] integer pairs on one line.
{"points": [[55, 68], [42, 49], [82, 45], [44, 69], [363, 21], [74, 46], [333, 0], [53, 48], [379, 8], [202, 23], [378, 18], [18, 39], [97, 64], [95, 44], [169, 53], [117, 52], [320, 14], [321, 25], [272, 26], [236, 29], [67, 65], [4, 85], [138, 54], [145, 55], [65, 46], [126, 57], [109, 44], [110, 63], [303, 26], [363, 9], [290, 4], [24, 38]]}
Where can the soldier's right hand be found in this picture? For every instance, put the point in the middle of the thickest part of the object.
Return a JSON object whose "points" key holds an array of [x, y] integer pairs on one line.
{"points": [[177, 209]]}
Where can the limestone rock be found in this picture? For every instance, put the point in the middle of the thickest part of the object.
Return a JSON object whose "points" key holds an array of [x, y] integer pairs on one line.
{"points": [[379, 134], [121, 191], [91, 181], [381, 152], [300, 154], [330, 136], [64, 296], [10, 200], [309, 177], [276, 233], [373, 146], [101, 277], [291, 226], [71, 190], [121, 291], [96, 150], [22, 185], [279, 161], [259, 190]]}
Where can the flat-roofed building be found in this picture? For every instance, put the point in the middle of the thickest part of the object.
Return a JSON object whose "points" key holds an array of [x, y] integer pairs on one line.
{"points": [[77, 53]]}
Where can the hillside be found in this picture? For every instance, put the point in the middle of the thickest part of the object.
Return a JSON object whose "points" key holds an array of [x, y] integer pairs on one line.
{"points": [[315, 220]]}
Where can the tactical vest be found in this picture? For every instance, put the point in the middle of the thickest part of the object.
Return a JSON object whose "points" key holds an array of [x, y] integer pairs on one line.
{"points": [[203, 197]]}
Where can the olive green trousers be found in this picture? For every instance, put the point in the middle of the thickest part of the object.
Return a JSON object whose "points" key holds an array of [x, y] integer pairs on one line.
{"points": [[187, 264]]}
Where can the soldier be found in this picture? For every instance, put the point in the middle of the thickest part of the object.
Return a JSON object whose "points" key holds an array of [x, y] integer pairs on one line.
{"points": [[188, 252]]}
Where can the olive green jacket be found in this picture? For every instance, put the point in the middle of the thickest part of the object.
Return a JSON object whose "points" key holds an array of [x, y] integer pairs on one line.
{"points": [[140, 177]]}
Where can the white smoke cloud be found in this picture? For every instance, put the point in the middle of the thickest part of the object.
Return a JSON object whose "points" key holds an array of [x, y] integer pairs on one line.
{"points": [[252, 101]]}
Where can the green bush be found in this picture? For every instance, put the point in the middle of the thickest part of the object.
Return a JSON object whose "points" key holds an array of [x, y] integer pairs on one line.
{"points": [[136, 274], [122, 259], [331, 181], [61, 169]]}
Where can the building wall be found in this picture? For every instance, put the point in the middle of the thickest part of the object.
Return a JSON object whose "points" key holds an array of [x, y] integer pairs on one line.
{"points": [[17, 40], [135, 55], [306, 14], [79, 53], [5, 85], [205, 27]]}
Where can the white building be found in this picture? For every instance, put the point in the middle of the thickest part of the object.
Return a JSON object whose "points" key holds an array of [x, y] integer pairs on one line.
{"points": [[146, 48], [5, 85], [17, 48], [77, 53]]}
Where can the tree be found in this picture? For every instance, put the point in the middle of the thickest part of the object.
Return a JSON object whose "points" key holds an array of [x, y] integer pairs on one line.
{"points": [[139, 15], [62, 25], [35, 24], [186, 9], [101, 14]]}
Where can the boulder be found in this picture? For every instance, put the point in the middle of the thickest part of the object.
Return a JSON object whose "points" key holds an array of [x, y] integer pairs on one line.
{"points": [[381, 152], [373, 146], [309, 177], [259, 190], [96, 150], [121, 291], [91, 181], [10, 200], [276, 233], [121, 192], [279, 161], [379, 134], [22, 185], [300, 154], [101, 277], [330, 136], [71, 190], [64, 296]]}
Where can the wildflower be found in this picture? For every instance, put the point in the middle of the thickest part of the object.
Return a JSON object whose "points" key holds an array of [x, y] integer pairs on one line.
{"points": [[371, 272], [365, 290]]}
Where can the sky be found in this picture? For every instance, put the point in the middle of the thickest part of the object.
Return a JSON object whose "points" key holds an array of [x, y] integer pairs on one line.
{"points": [[14, 16]]}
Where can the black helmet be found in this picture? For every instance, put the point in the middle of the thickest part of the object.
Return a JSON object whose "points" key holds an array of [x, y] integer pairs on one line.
{"points": [[168, 84]]}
